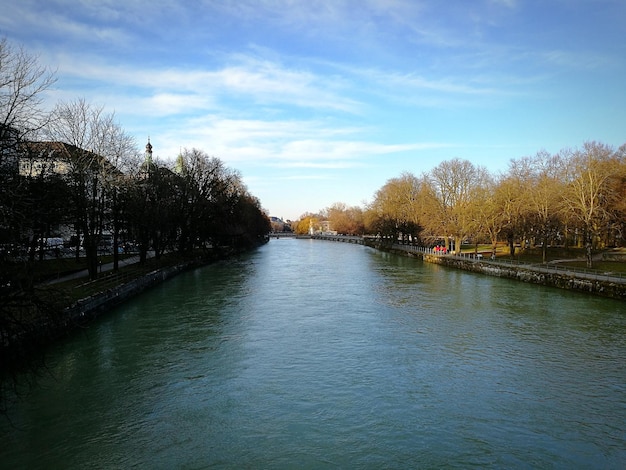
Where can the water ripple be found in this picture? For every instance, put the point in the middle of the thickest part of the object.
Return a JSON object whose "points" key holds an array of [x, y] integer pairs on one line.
{"points": [[308, 354]]}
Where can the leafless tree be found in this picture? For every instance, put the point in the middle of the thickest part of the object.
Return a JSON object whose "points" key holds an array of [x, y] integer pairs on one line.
{"points": [[542, 180], [397, 207], [590, 192], [454, 183], [22, 85], [345, 219], [92, 139], [23, 82]]}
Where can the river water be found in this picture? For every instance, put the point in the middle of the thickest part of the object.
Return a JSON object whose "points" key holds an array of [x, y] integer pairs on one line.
{"points": [[313, 354]]}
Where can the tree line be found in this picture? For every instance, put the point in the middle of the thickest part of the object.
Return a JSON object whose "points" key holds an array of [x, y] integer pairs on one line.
{"points": [[75, 167], [576, 197]]}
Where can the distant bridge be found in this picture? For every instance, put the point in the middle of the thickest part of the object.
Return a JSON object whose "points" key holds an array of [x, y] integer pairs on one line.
{"points": [[282, 235], [334, 238], [339, 238]]}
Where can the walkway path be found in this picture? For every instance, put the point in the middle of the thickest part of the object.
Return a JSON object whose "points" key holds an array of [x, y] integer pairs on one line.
{"points": [[102, 268]]}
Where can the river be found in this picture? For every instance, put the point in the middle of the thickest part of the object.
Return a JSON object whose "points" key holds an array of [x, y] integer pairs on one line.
{"points": [[314, 354]]}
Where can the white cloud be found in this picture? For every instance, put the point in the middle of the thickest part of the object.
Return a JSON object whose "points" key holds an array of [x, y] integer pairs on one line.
{"points": [[259, 82], [281, 144], [163, 104]]}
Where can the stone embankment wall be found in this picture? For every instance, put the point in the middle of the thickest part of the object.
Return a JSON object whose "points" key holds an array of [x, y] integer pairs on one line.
{"points": [[561, 280], [84, 310], [91, 307]]}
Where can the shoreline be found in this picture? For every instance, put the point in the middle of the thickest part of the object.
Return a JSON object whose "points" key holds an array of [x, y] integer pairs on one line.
{"points": [[567, 281], [89, 308], [600, 285], [86, 310], [35, 338]]}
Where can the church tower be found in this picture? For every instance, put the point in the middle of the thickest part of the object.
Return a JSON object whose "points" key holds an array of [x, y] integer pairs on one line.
{"points": [[148, 164], [148, 156]]}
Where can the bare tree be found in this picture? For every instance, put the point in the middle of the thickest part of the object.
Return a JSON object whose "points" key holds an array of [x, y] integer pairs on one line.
{"points": [[454, 183], [543, 185], [590, 192], [23, 82], [85, 131], [344, 219], [22, 85], [119, 148], [486, 216], [206, 183], [398, 207], [617, 233]]}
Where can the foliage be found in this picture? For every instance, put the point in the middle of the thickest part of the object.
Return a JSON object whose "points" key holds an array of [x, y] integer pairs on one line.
{"points": [[397, 209], [307, 222], [346, 220], [574, 197]]}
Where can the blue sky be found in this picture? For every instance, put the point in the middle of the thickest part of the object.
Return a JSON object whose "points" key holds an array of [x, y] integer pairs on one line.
{"points": [[322, 101]]}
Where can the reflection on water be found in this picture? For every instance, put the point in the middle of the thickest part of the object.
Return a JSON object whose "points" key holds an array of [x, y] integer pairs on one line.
{"points": [[313, 354]]}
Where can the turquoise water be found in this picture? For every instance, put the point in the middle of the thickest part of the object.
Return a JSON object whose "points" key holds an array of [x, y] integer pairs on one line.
{"points": [[313, 354]]}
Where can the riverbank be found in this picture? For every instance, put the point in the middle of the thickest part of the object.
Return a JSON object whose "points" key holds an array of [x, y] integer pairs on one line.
{"points": [[536, 275], [88, 308], [602, 284], [75, 302]]}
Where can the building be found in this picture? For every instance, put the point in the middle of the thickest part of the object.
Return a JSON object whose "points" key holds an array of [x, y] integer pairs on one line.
{"points": [[279, 225], [46, 158]]}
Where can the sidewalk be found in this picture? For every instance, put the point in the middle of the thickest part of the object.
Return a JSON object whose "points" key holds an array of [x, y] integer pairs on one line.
{"points": [[101, 269]]}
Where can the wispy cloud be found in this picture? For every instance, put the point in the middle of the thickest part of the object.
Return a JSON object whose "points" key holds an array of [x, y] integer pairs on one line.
{"points": [[287, 144], [575, 59], [322, 153], [258, 81], [50, 22]]}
